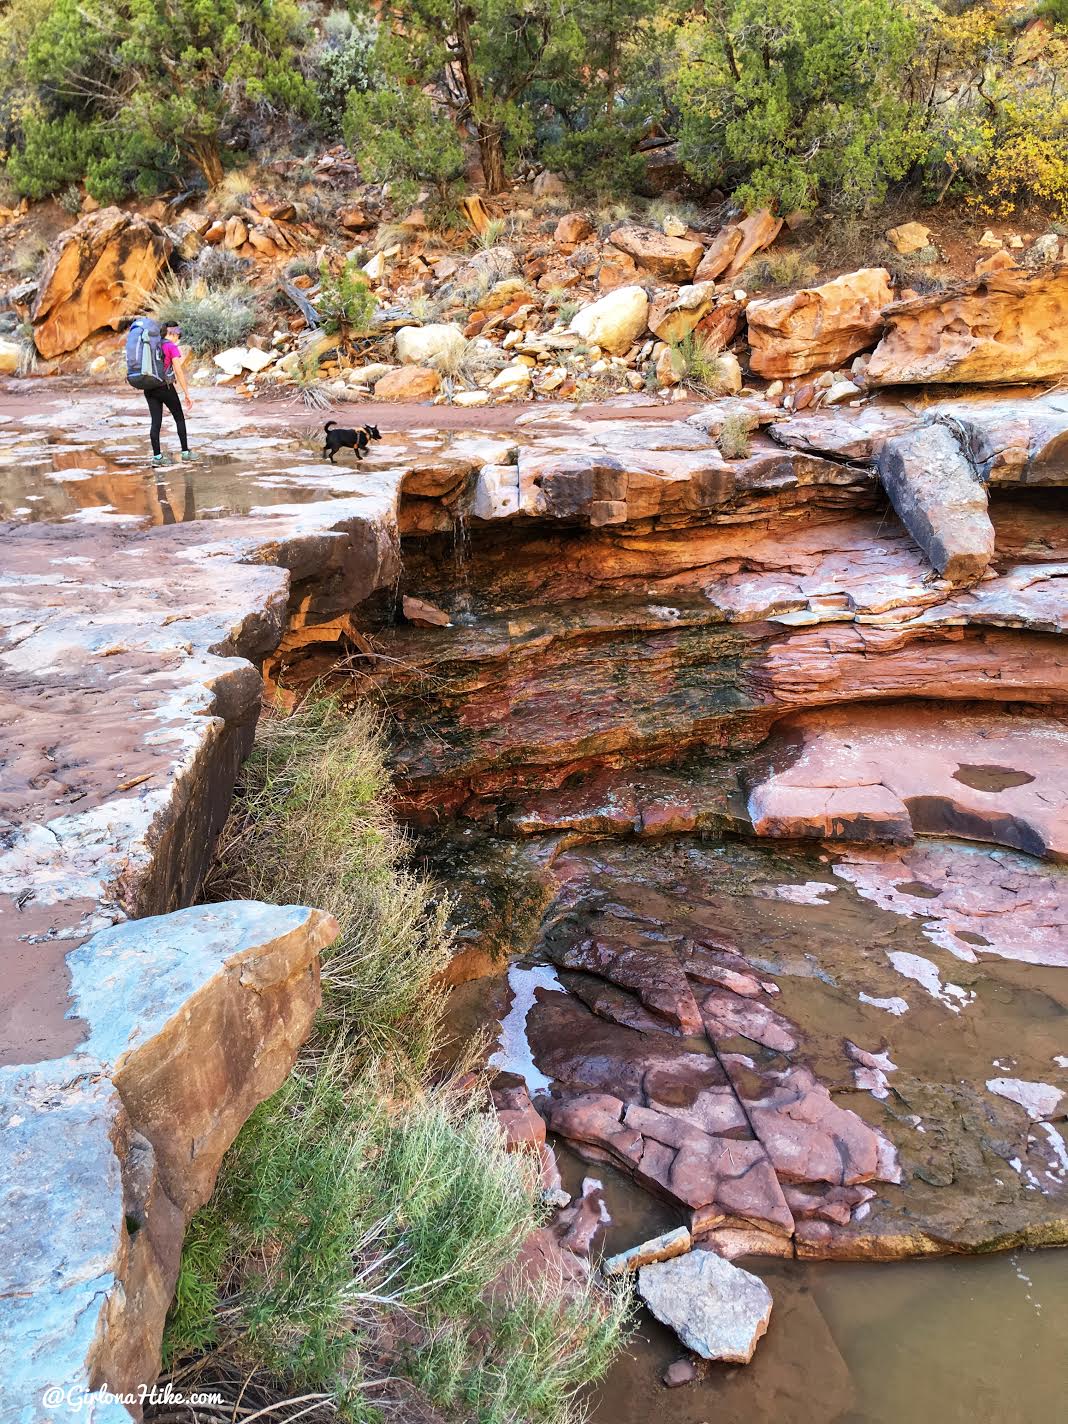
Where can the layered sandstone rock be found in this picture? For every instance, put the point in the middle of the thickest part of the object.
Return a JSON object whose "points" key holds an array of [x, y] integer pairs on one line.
{"points": [[98, 273], [818, 327], [1007, 327], [890, 774], [193, 1019]]}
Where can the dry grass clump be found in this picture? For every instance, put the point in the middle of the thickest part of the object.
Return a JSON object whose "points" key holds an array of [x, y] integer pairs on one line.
{"points": [[733, 439]]}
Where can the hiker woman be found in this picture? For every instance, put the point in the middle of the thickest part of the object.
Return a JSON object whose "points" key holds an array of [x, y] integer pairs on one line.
{"points": [[166, 395]]}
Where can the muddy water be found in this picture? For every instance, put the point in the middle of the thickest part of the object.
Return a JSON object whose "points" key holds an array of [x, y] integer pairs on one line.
{"points": [[965, 1340], [976, 1338]]}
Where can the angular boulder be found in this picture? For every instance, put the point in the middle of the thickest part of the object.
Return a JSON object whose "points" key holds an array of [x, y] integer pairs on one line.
{"points": [[96, 274], [818, 328], [717, 1310], [675, 259], [193, 1019], [1003, 328], [408, 383], [613, 322], [572, 228], [939, 499], [673, 318], [909, 237], [429, 345], [737, 244]]}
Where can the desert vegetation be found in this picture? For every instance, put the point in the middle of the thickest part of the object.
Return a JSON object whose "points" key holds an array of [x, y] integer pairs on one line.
{"points": [[361, 1245], [773, 101]]}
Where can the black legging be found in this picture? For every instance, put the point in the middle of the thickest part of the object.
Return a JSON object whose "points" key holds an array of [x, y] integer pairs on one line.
{"points": [[157, 399]]}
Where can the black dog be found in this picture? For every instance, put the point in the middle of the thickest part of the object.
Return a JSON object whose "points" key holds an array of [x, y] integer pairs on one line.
{"points": [[339, 438]]}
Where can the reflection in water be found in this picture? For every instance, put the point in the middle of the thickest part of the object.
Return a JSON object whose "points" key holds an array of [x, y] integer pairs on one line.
{"points": [[112, 477]]}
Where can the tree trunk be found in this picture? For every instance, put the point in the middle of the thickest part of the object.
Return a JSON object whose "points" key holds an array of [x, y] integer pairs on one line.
{"points": [[490, 149], [205, 154], [491, 153]]}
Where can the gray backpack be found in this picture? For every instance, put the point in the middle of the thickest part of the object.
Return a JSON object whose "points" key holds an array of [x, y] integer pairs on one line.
{"points": [[145, 367]]}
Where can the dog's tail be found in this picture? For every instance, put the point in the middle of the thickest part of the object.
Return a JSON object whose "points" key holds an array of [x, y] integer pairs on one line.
{"points": [[328, 424]]}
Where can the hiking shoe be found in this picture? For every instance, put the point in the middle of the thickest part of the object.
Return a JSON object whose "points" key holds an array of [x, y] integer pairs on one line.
{"points": [[157, 459], [187, 454]]}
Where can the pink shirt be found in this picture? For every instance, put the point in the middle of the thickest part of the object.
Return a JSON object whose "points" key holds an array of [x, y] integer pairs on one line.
{"points": [[171, 353]]}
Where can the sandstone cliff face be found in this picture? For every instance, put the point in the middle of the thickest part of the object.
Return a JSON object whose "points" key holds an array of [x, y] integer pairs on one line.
{"points": [[97, 273], [818, 328], [1007, 327]]}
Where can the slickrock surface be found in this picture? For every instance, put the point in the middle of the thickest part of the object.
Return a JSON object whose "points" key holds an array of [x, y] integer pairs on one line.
{"points": [[888, 774], [621, 617]]}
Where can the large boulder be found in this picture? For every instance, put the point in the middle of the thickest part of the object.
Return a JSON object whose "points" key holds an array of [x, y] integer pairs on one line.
{"points": [[675, 259], [1006, 327], [97, 273], [940, 500], [614, 322], [717, 1310], [408, 383], [191, 1020], [818, 327], [429, 345]]}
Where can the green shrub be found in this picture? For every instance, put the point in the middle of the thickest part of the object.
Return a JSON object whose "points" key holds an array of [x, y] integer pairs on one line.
{"points": [[397, 136], [345, 64], [599, 161], [94, 94], [347, 299], [218, 267], [782, 100], [212, 318]]}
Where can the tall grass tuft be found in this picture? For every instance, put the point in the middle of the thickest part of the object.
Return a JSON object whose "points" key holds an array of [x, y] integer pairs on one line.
{"points": [[312, 825], [366, 1221], [698, 365]]}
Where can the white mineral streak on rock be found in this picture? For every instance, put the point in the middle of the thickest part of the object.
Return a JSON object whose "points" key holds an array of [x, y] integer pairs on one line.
{"points": [[894, 1006], [812, 892], [1059, 1165], [717, 1310], [871, 1070], [926, 974], [514, 1053], [1039, 1100]]}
